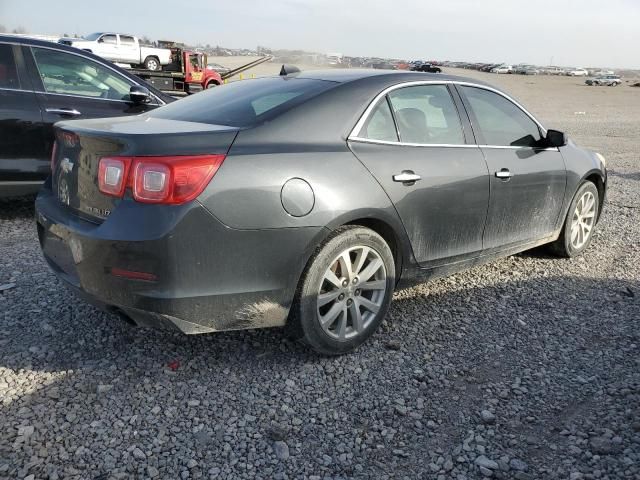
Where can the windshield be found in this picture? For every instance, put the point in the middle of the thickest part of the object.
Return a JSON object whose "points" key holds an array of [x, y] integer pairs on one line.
{"points": [[244, 103], [93, 36]]}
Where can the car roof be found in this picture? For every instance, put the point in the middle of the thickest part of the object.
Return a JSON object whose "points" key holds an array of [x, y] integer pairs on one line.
{"points": [[385, 76]]}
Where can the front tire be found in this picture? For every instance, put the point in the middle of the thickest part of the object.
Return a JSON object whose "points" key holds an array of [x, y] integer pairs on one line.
{"points": [[580, 223], [345, 292]]}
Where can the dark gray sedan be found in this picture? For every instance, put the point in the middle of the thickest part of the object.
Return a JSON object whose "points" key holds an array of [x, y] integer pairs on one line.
{"points": [[304, 199]]}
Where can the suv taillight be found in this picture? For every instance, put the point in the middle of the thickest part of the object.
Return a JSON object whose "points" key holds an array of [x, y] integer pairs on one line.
{"points": [[168, 180]]}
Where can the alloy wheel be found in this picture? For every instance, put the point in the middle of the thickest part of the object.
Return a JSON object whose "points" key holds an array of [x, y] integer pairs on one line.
{"points": [[583, 220], [351, 292]]}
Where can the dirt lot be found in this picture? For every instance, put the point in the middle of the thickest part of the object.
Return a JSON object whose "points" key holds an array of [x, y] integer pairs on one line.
{"points": [[525, 368]]}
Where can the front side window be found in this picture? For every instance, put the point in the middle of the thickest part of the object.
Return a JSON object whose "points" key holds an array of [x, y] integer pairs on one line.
{"points": [[500, 121], [70, 74], [8, 71], [380, 125], [426, 114]]}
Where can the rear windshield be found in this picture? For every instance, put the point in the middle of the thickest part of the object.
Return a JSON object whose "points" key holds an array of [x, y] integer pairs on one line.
{"points": [[244, 104]]}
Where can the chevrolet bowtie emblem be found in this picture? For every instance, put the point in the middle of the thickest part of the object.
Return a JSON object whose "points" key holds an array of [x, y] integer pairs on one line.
{"points": [[66, 165]]}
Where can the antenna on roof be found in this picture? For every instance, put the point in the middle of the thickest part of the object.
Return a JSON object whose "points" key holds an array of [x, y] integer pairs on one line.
{"points": [[287, 69]]}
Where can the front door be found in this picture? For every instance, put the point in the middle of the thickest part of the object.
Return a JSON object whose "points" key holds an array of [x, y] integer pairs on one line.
{"points": [[72, 86], [527, 179], [414, 144]]}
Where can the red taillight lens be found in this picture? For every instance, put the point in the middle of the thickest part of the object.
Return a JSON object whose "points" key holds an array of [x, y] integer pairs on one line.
{"points": [[151, 182], [112, 175], [169, 180], [173, 180], [54, 152]]}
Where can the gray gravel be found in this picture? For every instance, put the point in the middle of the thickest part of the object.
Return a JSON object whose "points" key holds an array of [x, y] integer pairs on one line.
{"points": [[524, 368]]}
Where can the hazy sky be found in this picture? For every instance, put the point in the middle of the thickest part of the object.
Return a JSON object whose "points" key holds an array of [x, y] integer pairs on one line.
{"points": [[573, 32]]}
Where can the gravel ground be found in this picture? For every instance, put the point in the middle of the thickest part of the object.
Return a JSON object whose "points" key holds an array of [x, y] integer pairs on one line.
{"points": [[524, 368]]}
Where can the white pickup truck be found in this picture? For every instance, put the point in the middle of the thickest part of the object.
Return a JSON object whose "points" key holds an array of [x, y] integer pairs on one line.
{"points": [[121, 48]]}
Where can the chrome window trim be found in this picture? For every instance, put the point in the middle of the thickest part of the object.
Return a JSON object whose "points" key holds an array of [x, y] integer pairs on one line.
{"points": [[16, 90], [447, 145], [87, 97], [355, 132], [407, 144], [519, 147], [69, 95], [127, 79]]}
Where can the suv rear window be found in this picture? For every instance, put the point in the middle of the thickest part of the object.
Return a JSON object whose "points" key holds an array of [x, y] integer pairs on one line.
{"points": [[244, 103]]}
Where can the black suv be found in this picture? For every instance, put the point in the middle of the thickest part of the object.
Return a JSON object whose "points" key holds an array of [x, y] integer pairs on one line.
{"points": [[43, 82]]}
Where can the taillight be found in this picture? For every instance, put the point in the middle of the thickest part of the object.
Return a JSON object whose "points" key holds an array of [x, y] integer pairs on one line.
{"points": [[112, 175], [54, 152], [168, 180]]}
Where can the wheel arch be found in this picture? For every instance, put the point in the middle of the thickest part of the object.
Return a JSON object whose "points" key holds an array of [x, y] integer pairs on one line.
{"points": [[600, 181], [388, 227]]}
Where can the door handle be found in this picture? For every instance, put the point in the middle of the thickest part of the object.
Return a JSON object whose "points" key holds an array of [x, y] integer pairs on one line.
{"points": [[72, 112], [408, 177], [504, 174]]}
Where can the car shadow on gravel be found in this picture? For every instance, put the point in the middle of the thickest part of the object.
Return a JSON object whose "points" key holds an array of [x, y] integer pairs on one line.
{"points": [[527, 350], [13, 208]]}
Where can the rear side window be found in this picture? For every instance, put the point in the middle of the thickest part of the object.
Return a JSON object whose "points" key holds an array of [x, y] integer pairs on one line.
{"points": [[500, 121], [8, 71], [380, 125], [244, 104], [426, 114], [126, 40]]}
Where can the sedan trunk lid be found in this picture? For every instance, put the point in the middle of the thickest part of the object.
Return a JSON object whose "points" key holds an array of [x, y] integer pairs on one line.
{"points": [[81, 144]]}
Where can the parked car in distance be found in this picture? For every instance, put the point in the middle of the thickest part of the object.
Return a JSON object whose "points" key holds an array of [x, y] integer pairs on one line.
{"points": [[551, 70], [502, 69], [245, 206], [525, 69], [577, 72], [608, 80], [425, 67], [43, 82], [121, 48]]}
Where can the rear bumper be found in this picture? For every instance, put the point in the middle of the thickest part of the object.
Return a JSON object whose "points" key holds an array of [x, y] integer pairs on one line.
{"points": [[208, 277]]}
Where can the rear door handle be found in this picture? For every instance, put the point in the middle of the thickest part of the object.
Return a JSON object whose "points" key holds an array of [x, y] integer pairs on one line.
{"points": [[504, 174], [408, 177], [72, 112]]}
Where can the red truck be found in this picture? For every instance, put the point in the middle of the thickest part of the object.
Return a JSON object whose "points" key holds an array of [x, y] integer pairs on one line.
{"points": [[186, 74]]}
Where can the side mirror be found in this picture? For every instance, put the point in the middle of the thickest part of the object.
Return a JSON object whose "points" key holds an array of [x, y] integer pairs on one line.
{"points": [[556, 139], [139, 94]]}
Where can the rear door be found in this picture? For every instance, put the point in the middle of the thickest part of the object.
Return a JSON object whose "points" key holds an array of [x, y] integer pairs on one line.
{"points": [[527, 179], [414, 143], [23, 155], [72, 86], [129, 52]]}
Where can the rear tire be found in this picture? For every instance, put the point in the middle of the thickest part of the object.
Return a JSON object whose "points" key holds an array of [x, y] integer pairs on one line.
{"points": [[580, 223], [345, 291], [152, 63]]}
